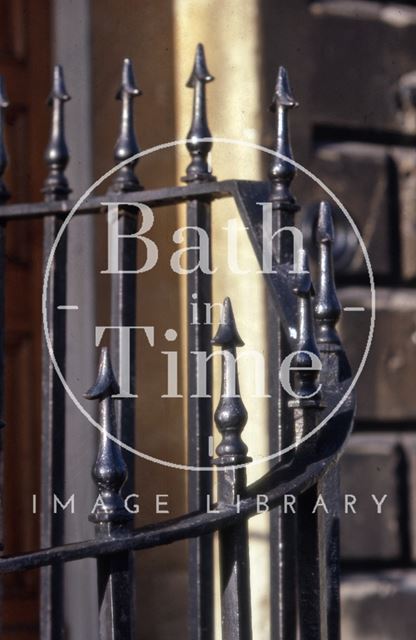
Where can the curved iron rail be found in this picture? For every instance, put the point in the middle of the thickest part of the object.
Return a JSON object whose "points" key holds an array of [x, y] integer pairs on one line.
{"points": [[310, 462]]}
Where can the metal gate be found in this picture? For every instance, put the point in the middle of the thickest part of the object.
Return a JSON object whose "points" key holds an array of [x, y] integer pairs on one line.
{"points": [[304, 546]]}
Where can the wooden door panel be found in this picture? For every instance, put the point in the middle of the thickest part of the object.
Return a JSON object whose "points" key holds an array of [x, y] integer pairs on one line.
{"points": [[25, 64]]}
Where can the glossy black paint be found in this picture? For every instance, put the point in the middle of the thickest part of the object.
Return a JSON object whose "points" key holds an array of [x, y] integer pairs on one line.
{"points": [[199, 169], [56, 189], [111, 518], [284, 207], [56, 155], [126, 145], [327, 306], [305, 570], [230, 418], [124, 284], [199, 296]]}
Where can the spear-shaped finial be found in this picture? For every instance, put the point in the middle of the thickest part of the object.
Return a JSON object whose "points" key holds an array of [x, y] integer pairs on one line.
{"points": [[56, 156], [282, 171], [230, 415], [199, 170], [110, 470], [327, 306], [126, 145], [4, 103], [307, 355]]}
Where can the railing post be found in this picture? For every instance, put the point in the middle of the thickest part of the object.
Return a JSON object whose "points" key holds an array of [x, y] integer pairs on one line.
{"points": [[53, 402], [311, 590], [111, 518], [124, 284], [199, 296], [282, 526], [327, 314], [230, 418]]}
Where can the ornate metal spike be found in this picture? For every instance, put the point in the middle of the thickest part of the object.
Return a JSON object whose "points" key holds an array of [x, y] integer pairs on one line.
{"points": [[307, 377], [283, 528], [227, 333], [230, 415], [281, 171], [110, 470], [199, 170], [327, 306], [126, 145], [4, 103], [56, 156]]}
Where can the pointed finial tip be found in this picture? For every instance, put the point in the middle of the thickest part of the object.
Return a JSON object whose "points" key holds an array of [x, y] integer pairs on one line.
{"points": [[325, 226], [227, 333], [58, 85], [283, 96], [128, 81], [200, 70], [106, 384]]}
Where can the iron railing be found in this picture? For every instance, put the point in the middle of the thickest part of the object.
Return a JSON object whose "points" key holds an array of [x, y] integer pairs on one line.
{"points": [[304, 547]]}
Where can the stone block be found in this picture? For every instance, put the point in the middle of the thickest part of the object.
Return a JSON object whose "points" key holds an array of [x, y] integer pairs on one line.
{"points": [[379, 606], [371, 465], [386, 388]]}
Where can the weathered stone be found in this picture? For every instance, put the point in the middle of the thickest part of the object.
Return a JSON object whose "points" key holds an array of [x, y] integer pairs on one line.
{"points": [[371, 171], [386, 388], [409, 517], [379, 606], [371, 466], [405, 161]]}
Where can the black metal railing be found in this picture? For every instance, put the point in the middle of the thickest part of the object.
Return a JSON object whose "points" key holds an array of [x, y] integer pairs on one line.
{"points": [[304, 546]]}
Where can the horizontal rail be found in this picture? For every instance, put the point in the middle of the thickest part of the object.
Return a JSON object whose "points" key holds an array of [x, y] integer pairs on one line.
{"points": [[265, 208], [188, 526], [153, 197], [294, 477]]}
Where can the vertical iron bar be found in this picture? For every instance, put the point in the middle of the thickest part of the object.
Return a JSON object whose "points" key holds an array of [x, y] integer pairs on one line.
{"points": [[318, 540], [282, 526], [123, 314], [111, 518], [230, 418], [327, 314], [53, 436], [311, 570], [123, 285], [234, 563], [199, 297], [199, 286], [53, 394], [329, 488], [312, 624], [4, 196]]}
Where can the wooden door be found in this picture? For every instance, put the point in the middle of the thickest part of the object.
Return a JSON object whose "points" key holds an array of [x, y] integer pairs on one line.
{"points": [[25, 64]]}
